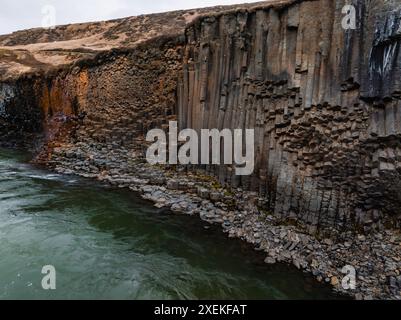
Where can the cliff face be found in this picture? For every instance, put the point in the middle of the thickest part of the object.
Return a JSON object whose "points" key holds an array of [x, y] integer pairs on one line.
{"points": [[107, 103], [40, 50], [324, 102]]}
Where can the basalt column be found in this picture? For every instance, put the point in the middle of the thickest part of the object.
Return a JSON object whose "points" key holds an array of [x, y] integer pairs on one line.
{"points": [[324, 103]]}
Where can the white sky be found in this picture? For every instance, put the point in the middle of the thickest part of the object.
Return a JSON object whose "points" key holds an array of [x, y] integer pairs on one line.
{"points": [[24, 14]]}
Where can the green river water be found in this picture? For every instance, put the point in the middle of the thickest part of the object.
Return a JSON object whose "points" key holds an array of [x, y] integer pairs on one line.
{"points": [[110, 244]]}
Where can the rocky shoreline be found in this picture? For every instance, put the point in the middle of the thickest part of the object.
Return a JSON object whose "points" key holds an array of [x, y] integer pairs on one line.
{"points": [[376, 258], [327, 131]]}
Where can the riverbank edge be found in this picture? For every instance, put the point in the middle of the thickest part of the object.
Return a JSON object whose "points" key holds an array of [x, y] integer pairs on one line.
{"points": [[375, 258]]}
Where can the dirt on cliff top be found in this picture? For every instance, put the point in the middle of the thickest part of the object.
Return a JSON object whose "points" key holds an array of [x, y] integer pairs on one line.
{"points": [[42, 49]]}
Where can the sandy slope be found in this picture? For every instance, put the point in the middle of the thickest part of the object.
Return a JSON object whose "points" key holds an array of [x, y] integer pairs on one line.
{"points": [[40, 49]]}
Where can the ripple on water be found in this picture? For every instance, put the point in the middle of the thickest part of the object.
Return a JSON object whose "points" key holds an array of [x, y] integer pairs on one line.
{"points": [[110, 244]]}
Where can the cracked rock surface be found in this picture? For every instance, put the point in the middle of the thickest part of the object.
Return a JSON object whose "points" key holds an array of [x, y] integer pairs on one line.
{"points": [[325, 104]]}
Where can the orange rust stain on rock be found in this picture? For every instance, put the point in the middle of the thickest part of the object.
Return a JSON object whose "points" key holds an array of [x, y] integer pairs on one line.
{"points": [[60, 99], [44, 100], [55, 99], [82, 83], [61, 102]]}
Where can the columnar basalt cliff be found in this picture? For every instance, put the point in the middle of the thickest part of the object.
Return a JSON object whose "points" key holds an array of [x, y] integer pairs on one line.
{"points": [[324, 103]]}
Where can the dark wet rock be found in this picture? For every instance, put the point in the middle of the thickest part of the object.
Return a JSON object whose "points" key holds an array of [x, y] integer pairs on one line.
{"points": [[323, 102]]}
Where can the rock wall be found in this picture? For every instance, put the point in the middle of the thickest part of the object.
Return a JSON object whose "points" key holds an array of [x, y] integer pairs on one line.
{"points": [[20, 118], [324, 103], [106, 103]]}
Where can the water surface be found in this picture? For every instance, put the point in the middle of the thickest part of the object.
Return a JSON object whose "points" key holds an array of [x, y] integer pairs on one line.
{"points": [[110, 244]]}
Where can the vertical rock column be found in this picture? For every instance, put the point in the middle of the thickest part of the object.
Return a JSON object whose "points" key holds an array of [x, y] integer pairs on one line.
{"points": [[304, 84]]}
